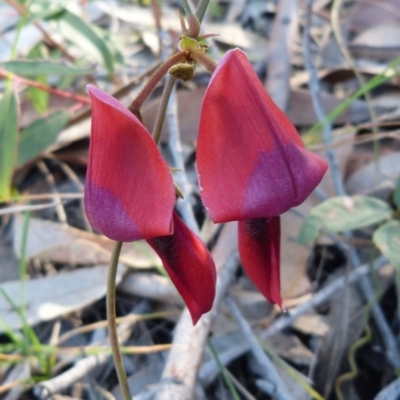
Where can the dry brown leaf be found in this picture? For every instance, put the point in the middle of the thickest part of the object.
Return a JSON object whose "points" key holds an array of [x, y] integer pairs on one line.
{"points": [[363, 180], [50, 297], [55, 242], [367, 14], [301, 110], [291, 348], [294, 280], [311, 324], [378, 42], [151, 286]]}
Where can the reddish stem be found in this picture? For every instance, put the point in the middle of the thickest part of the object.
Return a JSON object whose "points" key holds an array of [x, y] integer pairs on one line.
{"points": [[41, 86], [201, 58], [21, 9], [155, 79]]}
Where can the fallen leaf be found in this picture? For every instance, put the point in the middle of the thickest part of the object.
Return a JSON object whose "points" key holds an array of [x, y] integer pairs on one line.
{"points": [[51, 297], [55, 242]]}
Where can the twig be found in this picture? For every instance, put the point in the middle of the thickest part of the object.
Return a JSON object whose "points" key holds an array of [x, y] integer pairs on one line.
{"points": [[390, 392], [41, 86], [81, 368], [266, 387], [21, 10], [279, 52], [175, 147], [18, 209], [268, 368], [209, 370], [61, 214], [316, 99], [336, 6], [68, 171], [392, 351], [179, 376], [388, 339]]}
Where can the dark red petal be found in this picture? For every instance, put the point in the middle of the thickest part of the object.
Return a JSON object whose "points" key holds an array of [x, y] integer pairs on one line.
{"points": [[251, 161], [190, 267], [129, 192], [259, 250]]}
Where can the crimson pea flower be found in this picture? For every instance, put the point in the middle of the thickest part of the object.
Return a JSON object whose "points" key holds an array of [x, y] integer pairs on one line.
{"points": [[252, 166], [130, 195]]}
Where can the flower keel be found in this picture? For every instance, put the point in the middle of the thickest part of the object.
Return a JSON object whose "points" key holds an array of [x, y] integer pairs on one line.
{"points": [[190, 267], [259, 249]]}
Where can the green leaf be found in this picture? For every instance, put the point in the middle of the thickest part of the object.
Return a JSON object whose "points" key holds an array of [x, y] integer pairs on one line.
{"points": [[39, 135], [8, 142], [344, 213], [39, 98], [387, 240], [44, 67], [75, 29], [396, 193]]}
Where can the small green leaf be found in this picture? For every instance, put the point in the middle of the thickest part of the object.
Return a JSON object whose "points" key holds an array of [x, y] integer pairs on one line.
{"points": [[44, 67], [75, 29], [39, 98], [396, 193], [39, 135], [344, 213], [387, 240], [8, 142]]}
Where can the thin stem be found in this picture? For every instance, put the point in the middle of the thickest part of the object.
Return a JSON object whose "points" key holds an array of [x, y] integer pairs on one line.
{"points": [[186, 8], [223, 370], [155, 79], [24, 12], [169, 85], [335, 18], [40, 86], [201, 58], [112, 323], [316, 99], [201, 9]]}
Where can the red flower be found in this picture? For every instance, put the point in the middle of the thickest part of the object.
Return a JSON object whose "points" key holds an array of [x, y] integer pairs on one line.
{"points": [[129, 192], [130, 195], [190, 267], [251, 164]]}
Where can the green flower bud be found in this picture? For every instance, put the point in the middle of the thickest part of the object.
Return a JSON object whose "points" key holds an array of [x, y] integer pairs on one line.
{"points": [[182, 71]]}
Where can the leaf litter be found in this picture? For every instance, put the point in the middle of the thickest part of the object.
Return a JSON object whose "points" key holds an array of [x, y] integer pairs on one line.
{"points": [[64, 282]]}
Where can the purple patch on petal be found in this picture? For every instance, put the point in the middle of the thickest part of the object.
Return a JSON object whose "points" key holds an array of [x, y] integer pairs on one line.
{"points": [[281, 179], [109, 216]]}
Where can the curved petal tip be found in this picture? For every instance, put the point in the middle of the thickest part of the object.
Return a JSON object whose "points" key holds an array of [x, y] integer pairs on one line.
{"points": [[190, 267], [259, 250]]}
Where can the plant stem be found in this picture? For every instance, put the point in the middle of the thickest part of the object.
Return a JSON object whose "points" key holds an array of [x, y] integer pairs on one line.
{"points": [[201, 9], [155, 79], [186, 8], [112, 323], [41, 86], [206, 61], [169, 85]]}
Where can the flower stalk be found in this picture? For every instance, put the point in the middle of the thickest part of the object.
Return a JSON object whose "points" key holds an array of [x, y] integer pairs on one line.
{"points": [[112, 322], [150, 85]]}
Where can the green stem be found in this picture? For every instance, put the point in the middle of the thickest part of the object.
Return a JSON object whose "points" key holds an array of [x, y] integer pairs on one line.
{"points": [[112, 323], [186, 8], [201, 9], [154, 80], [169, 85]]}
